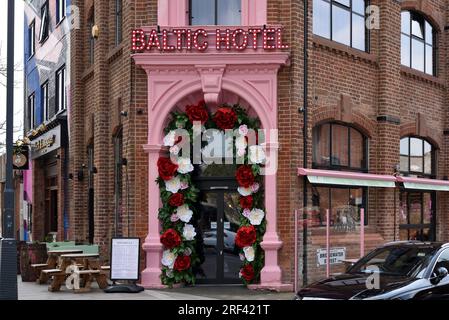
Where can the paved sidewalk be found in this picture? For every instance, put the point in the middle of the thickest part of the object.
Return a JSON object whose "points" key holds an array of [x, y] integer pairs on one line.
{"points": [[33, 291]]}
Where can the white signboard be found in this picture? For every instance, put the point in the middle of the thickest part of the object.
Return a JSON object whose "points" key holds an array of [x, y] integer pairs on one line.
{"points": [[337, 255], [125, 259]]}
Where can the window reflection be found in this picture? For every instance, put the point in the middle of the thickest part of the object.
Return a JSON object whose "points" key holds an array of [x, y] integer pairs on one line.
{"points": [[417, 49], [342, 21], [344, 206], [215, 12], [337, 145], [417, 156]]}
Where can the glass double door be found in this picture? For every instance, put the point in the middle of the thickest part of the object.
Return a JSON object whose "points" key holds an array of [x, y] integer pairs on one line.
{"points": [[217, 225]]}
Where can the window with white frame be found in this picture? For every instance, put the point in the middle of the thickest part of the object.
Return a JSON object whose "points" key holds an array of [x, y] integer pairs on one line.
{"points": [[31, 38], [417, 43], [215, 12], [60, 90], [341, 21], [45, 22], [60, 10], [44, 102]]}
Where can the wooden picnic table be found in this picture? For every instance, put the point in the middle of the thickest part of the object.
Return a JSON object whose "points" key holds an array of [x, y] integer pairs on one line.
{"points": [[52, 261], [86, 266]]}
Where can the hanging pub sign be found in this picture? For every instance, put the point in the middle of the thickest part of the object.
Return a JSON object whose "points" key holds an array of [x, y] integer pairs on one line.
{"points": [[20, 159], [180, 39], [46, 143]]}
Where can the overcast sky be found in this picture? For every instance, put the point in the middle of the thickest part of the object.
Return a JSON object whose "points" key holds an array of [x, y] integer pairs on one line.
{"points": [[18, 77]]}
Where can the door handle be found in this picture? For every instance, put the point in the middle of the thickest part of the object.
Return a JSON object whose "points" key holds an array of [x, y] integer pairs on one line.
{"points": [[219, 188]]}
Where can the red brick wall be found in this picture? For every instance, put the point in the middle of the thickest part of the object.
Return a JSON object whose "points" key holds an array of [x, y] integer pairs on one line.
{"points": [[373, 81]]}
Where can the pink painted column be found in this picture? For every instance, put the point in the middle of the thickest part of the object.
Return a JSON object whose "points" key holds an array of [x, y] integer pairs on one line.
{"points": [[152, 245], [271, 274]]}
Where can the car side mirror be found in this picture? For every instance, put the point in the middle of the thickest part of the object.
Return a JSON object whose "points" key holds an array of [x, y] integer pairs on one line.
{"points": [[439, 275]]}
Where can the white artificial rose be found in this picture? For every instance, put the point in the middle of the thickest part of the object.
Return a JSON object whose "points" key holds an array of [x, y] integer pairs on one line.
{"points": [[241, 152], [168, 259], [249, 253], [256, 216], [244, 191], [184, 165], [169, 139], [184, 213], [173, 185], [255, 187], [243, 129], [256, 154], [174, 150], [189, 232]]}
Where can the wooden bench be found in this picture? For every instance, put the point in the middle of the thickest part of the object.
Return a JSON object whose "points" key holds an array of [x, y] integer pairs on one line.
{"points": [[51, 271], [89, 276], [39, 265]]}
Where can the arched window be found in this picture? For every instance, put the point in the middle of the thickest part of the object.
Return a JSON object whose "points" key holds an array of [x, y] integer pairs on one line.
{"points": [[341, 21], [417, 157], [417, 43], [338, 146]]}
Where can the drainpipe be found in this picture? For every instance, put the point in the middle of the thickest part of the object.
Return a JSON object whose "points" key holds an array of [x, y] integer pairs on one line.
{"points": [[305, 129]]}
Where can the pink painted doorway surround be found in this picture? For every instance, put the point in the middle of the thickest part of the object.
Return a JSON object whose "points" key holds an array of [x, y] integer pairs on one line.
{"points": [[172, 78]]}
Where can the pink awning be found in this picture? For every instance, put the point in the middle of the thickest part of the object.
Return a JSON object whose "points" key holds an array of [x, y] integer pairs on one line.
{"points": [[348, 178], [424, 184]]}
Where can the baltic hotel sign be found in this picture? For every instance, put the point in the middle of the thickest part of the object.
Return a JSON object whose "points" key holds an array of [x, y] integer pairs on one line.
{"points": [[267, 38]]}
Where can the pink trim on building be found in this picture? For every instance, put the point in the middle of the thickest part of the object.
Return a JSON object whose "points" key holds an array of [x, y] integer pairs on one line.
{"points": [[175, 13], [423, 181], [345, 175], [213, 75], [28, 183]]}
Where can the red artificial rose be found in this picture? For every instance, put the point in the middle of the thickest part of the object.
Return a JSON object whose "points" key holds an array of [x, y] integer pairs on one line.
{"points": [[245, 176], [170, 239], [176, 200], [225, 118], [247, 272], [182, 263], [245, 237], [197, 113], [246, 202], [166, 168]]}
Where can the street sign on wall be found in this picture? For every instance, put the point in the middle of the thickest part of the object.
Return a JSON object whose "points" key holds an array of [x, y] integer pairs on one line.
{"points": [[337, 255]]}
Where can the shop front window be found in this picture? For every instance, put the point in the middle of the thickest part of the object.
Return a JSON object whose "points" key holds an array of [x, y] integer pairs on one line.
{"points": [[215, 12], [338, 146], [344, 205], [416, 216]]}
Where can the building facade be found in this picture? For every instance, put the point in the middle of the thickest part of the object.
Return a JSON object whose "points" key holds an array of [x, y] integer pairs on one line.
{"points": [[376, 133], [47, 69]]}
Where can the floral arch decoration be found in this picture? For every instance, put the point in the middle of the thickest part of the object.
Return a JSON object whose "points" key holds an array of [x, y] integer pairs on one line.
{"points": [[178, 214]]}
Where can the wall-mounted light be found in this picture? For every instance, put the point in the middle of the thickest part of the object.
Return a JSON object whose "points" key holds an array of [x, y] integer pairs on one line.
{"points": [[95, 31], [124, 113]]}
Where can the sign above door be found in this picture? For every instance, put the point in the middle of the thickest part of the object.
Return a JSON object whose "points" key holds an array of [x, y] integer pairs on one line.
{"points": [[180, 39]]}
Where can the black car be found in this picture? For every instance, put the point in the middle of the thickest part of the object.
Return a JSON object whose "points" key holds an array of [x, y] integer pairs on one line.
{"points": [[395, 271]]}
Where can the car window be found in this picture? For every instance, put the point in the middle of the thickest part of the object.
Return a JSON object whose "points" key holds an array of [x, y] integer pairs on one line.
{"points": [[443, 261], [397, 261]]}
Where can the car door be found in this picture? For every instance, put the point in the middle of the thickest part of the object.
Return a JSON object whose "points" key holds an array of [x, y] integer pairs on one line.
{"points": [[439, 291]]}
